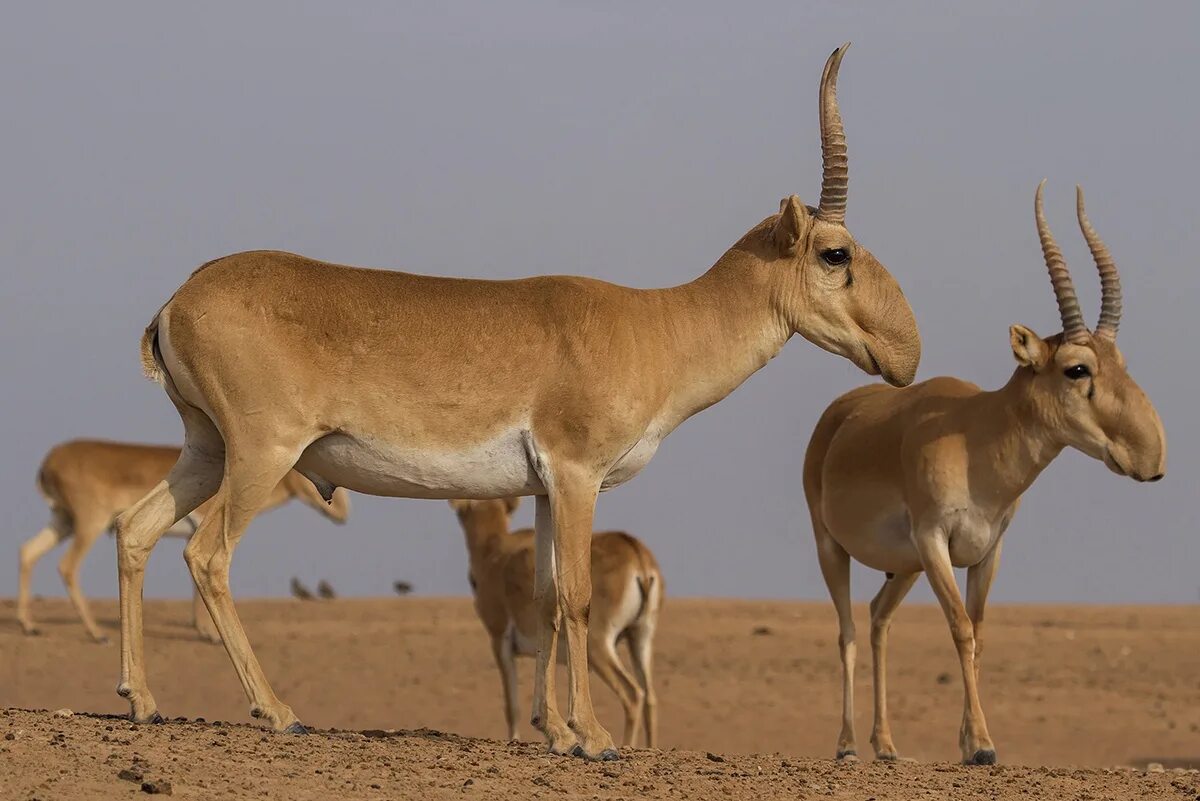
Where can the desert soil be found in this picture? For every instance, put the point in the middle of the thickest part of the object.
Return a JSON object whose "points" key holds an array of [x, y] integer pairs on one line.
{"points": [[404, 699]]}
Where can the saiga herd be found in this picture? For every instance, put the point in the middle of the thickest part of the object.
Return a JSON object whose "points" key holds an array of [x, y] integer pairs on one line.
{"points": [[299, 378]]}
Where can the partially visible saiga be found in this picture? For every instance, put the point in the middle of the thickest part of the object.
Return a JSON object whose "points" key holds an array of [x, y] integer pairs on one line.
{"points": [[627, 593], [408, 385], [927, 478], [87, 483]]}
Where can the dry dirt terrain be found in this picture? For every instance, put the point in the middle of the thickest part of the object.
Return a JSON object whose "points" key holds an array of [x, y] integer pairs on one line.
{"points": [[748, 691]]}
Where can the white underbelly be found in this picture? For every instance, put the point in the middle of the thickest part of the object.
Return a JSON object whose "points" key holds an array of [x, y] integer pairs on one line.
{"points": [[633, 461], [495, 468]]}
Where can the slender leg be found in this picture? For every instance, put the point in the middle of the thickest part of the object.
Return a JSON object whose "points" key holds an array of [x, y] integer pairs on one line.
{"points": [[979, 584], [87, 530], [546, 718], [34, 549], [252, 470], [976, 744], [641, 647], [190, 483], [607, 665], [835, 567], [882, 609], [502, 651], [202, 620], [573, 505]]}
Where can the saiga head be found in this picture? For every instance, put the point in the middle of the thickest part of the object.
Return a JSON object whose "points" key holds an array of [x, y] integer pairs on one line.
{"points": [[1078, 382], [338, 507], [485, 517], [829, 288]]}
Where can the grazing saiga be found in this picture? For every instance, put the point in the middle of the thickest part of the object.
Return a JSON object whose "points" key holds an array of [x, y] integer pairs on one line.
{"points": [[87, 483], [627, 593], [408, 385], [927, 478]]}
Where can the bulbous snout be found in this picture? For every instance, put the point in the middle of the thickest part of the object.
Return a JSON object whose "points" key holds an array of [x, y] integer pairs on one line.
{"points": [[892, 339], [1139, 450]]}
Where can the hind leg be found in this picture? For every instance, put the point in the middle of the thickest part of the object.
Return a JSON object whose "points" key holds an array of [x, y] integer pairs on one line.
{"points": [[202, 620], [192, 481], [34, 549], [882, 608], [641, 647], [602, 655], [87, 530], [252, 469]]}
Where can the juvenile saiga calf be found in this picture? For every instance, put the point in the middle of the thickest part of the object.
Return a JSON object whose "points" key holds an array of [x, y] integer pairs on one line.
{"points": [[627, 593], [408, 385], [927, 478], [87, 483]]}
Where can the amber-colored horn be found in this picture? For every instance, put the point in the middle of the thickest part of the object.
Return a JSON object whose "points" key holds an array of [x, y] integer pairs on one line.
{"points": [[1074, 329], [1110, 279], [835, 177]]}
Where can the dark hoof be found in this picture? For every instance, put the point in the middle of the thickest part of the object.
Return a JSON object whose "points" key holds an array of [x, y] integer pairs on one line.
{"points": [[609, 755], [847, 756], [886, 757], [983, 756], [577, 751], [296, 728], [156, 718]]}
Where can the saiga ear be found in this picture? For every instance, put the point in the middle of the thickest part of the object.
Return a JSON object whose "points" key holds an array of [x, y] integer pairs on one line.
{"points": [[511, 504], [1028, 348], [792, 225]]}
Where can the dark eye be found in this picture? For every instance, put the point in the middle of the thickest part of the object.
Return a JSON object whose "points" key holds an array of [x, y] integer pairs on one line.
{"points": [[1077, 371], [836, 257]]}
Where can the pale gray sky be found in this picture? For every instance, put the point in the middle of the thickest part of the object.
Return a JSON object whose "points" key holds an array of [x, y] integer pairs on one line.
{"points": [[631, 142]]}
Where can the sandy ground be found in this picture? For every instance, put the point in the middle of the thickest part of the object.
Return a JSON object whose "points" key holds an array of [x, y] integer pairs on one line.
{"points": [[1084, 690]]}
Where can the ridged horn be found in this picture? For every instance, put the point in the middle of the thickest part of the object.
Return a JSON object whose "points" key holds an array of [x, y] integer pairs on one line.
{"points": [[1074, 329], [1110, 279], [835, 176]]}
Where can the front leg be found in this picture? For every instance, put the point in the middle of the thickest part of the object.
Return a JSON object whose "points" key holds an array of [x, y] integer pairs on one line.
{"points": [[573, 504], [933, 547], [546, 718], [979, 583]]}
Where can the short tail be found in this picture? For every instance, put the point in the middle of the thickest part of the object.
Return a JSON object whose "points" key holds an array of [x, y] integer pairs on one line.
{"points": [[649, 579], [152, 364]]}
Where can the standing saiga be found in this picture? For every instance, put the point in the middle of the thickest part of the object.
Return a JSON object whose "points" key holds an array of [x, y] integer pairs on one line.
{"points": [[87, 483], [627, 593], [407, 385], [927, 478]]}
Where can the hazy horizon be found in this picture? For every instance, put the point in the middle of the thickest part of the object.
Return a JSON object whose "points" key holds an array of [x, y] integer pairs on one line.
{"points": [[633, 144]]}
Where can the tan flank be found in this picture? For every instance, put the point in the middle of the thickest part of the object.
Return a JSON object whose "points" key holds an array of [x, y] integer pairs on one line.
{"points": [[627, 593], [87, 483], [927, 478], [409, 385]]}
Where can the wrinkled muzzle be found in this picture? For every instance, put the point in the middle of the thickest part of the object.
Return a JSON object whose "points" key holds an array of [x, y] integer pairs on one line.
{"points": [[890, 332], [1139, 449]]}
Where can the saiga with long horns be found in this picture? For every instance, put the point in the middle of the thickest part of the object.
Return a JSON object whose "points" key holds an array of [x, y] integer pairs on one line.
{"points": [[927, 478], [407, 385]]}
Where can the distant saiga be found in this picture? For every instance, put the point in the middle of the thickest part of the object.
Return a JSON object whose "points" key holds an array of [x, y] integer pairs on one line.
{"points": [[87, 483], [408, 385], [927, 478], [627, 594]]}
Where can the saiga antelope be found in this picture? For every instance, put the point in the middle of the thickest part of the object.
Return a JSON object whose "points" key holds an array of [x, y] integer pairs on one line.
{"points": [[87, 483], [627, 592], [927, 478], [407, 385]]}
